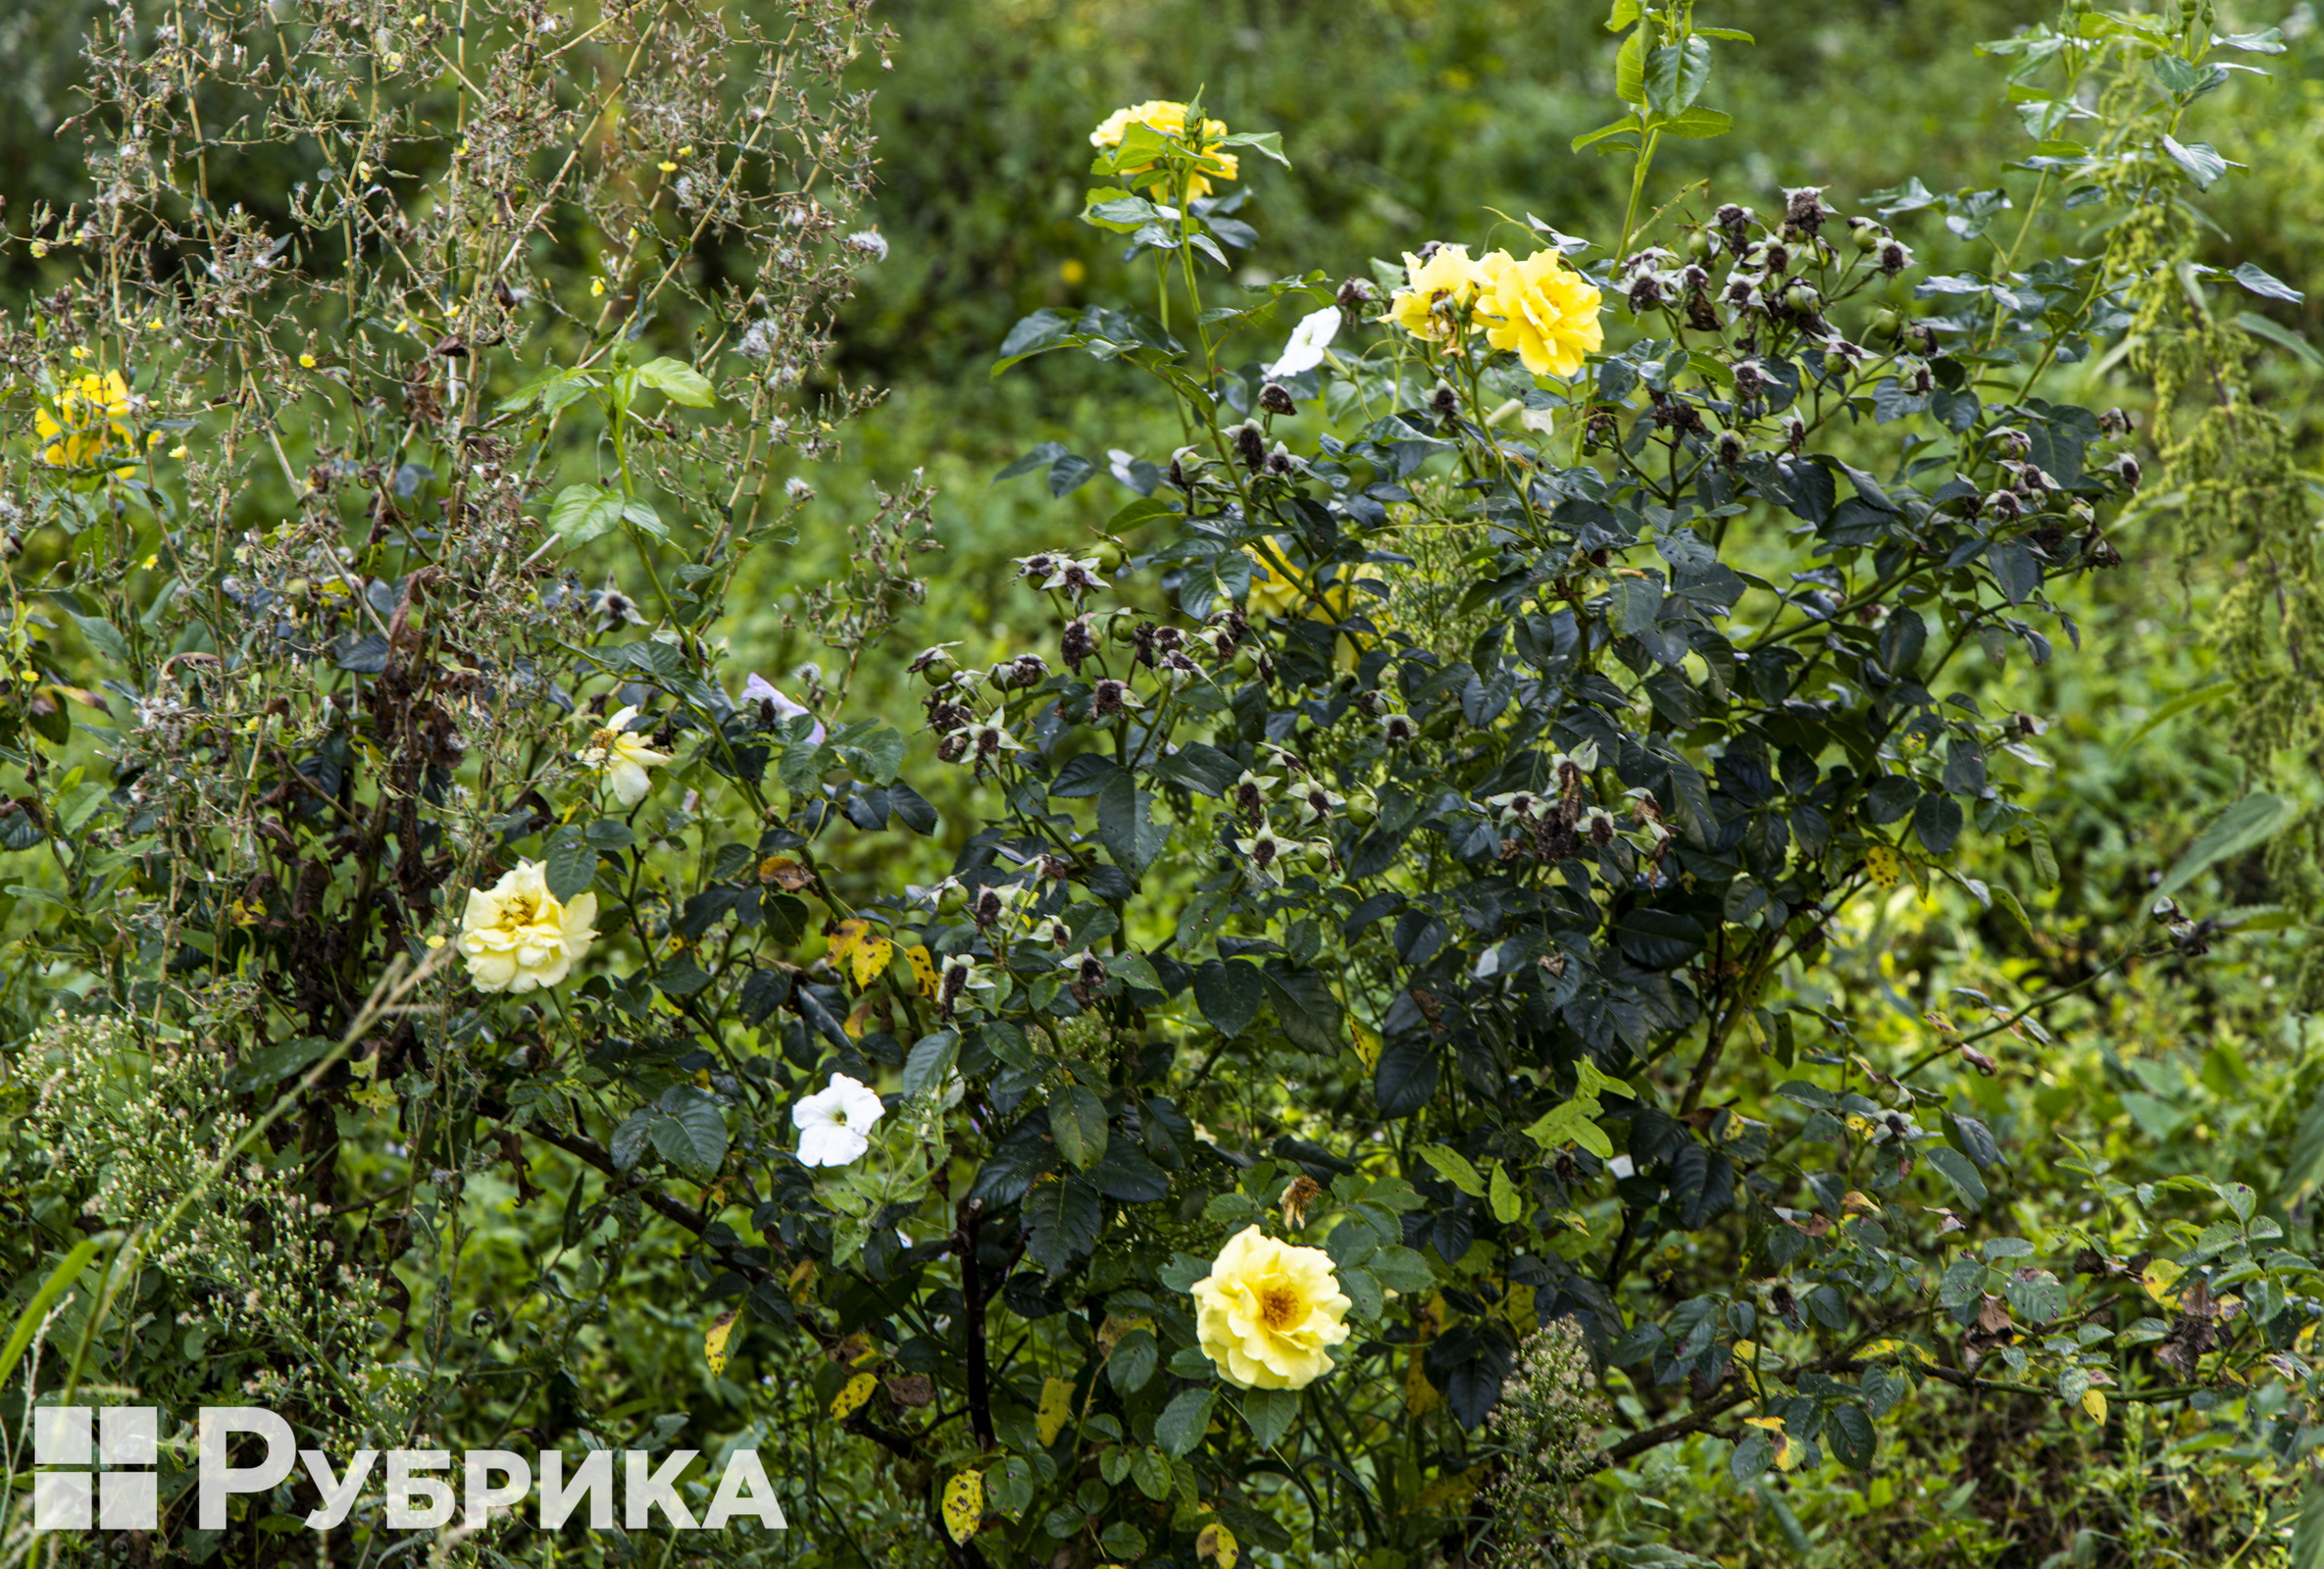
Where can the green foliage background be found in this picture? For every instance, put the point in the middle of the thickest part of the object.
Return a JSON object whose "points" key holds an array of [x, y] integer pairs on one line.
{"points": [[1406, 122]]}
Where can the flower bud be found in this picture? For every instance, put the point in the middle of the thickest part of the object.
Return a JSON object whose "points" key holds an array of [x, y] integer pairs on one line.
{"points": [[1700, 245], [1895, 258], [954, 899], [1802, 298], [1867, 236], [2003, 506], [2126, 468], [1357, 291], [1251, 446], [1276, 400], [1885, 322], [1247, 663], [1319, 856]]}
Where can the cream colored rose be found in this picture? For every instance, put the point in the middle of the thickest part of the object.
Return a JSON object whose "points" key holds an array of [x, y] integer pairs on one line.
{"points": [[623, 759], [1267, 1311], [517, 936]]}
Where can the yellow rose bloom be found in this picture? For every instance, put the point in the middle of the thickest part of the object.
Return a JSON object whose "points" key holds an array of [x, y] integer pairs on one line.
{"points": [[86, 419], [1170, 119], [622, 758], [1541, 308], [1267, 1311], [517, 936], [1449, 277]]}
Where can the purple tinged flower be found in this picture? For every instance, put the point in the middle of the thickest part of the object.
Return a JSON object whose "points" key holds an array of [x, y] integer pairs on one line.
{"points": [[758, 690]]}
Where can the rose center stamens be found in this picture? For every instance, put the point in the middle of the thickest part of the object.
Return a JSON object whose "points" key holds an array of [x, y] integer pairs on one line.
{"points": [[1279, 1307]]}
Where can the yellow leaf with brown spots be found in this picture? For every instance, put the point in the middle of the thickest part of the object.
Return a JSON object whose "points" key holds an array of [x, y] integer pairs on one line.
{"points": [[851, 1396], [924, 969], [714, 1343], [1056, 1409], [964, 1505]]}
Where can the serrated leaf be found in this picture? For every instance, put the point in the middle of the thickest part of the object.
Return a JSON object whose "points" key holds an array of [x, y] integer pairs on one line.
{"points": [[689, 1130], [570, 866], [1455, 1168], [1077, 1121], [583, 512], [1508, 1202], [678, 382], [1180, 1428], [1698, 124], [1958, 1170]]}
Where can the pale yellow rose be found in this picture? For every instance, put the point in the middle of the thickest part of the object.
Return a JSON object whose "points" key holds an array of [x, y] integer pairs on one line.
{"points": [[1541, 308], [622, 758], [1436, 290], [1267, 1312], [517, 936], [1170, 119]]}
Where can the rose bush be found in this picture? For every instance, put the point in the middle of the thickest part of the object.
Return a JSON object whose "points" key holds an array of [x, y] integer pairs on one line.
{"points": [[1394, 1061]]}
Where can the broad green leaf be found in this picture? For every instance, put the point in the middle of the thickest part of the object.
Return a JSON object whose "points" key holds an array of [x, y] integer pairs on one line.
{"points": [[678, 382], [1698, 124], [583, 512], [1077, 1121], [1508, 1202], [1180, 1428], [1270, 1413], [1455, 1168], [1959, 1171]]}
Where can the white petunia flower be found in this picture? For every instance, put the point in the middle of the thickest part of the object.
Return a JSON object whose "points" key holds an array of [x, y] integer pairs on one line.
{"points": [[833, 1125], [1309, 339]]}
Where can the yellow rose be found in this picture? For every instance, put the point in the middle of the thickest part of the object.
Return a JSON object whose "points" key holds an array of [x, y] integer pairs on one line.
{"points": [[85, 421], [1449, 279], [1542, 309], [1170, 119], [517, 936], [1267, 1311], [622, 758]]}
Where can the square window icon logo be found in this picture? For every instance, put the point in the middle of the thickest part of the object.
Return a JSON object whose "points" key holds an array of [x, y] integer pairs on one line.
{"points": [[117, 1496]]}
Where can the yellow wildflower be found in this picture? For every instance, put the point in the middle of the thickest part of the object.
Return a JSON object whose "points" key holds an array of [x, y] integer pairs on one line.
{"points": [[517, 936], [1542, 309], [86, 419], [1267, 1312], [1430, 306], [1170, 119]]}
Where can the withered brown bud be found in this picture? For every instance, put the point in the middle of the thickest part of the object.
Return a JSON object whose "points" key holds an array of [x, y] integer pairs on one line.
{"points": [[1276, 400], [1357, 291], [1251, 446]]}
